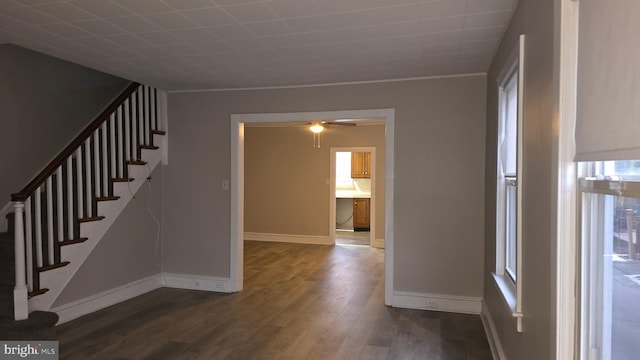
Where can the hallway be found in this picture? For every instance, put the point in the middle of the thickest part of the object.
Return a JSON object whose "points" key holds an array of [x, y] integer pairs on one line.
{"points": [[299, 302]]}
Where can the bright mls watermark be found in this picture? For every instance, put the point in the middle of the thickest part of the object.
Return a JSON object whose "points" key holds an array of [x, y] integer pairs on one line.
{"points": [[29, 350]]}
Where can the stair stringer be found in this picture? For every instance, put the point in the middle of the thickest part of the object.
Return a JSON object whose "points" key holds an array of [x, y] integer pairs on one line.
{"points": [[56, 280]]}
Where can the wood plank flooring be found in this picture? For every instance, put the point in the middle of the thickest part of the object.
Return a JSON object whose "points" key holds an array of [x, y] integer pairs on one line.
{"points": [[352, 237], [299, 302]]}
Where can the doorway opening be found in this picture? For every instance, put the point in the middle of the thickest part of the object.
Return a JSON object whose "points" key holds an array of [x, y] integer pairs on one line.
{"points": [[236, 253], [353, 196]]}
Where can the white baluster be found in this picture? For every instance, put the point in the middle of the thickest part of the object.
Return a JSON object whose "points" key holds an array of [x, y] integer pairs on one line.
{"points": [[105, 161], [146, 116], [119, 144], [87, 178], [134, 128], [140, 92], [38, 220], [79, 182], [29, 241], [60, 203], [96, 163], [127, 132], [152, 109], [49, 187], [70, 197], [112, 145], [20, 292]]}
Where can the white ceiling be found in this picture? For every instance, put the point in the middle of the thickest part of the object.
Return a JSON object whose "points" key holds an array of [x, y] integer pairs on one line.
{"points": [[218, 44]]}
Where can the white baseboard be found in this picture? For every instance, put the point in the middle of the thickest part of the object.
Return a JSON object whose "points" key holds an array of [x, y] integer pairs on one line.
{"points": [[107, 298], [437, 302], [93, 303], [287, 238], [197, 282], [492, 336], [378, 243]]}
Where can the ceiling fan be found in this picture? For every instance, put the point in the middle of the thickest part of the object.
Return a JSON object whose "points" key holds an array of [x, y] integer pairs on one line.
{"points": [[317, 127]]}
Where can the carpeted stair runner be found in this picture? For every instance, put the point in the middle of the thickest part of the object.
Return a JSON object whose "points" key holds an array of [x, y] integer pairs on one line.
{"points": [[7, 274]]}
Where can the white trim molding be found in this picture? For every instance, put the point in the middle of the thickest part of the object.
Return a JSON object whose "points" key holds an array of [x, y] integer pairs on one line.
{"points": [[329, 84], [76, 309], [237, 181], [511, 292], [497, 352], [437, 302], [93, 303], [567, 214], [378, 243], [197, 282], [509, 297], [289, 238]]}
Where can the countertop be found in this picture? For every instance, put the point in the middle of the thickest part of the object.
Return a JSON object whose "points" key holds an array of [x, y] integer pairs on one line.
{"points": [[352, 194]]}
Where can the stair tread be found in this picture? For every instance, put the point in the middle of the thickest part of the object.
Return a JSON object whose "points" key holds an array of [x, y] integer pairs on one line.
{"points": [[158, 132], [149, 147], [53, 266], [37, 292], [136, 162], [107, 198], [73, 241], [122, 179], [89, 219]]}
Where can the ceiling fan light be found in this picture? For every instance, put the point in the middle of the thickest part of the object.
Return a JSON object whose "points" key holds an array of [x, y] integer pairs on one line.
{"points": [[316, 128]]}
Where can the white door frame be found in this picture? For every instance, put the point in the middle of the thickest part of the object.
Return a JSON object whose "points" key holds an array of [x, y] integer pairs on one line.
{"points": [[236, 255], [568, 200], [332, 190]]}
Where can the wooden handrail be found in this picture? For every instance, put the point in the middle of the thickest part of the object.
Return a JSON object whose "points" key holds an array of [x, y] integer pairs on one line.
{"points": [[68, 151]]}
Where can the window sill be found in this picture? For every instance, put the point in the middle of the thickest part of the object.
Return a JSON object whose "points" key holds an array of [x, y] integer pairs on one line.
{"points": [[508, 290]]}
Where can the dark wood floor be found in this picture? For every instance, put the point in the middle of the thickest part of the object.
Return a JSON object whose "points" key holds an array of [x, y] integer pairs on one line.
{"points": [[299, 302]]}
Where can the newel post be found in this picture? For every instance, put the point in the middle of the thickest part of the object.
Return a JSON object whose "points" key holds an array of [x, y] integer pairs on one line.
{"points": [[20, 292]]}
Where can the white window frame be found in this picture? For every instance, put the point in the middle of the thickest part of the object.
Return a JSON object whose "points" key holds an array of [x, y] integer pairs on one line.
{"points": [[595, 267], [510, 285]]}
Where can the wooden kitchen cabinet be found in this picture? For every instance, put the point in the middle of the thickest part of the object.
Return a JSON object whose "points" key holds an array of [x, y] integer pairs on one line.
{"points": [[361, 165], [361, 216]]}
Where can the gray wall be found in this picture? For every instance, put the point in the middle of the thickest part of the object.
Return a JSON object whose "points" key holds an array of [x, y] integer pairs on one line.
{"points": [[285, 177], [537, 19], [439, 175], [45, 103], [130, 250]]}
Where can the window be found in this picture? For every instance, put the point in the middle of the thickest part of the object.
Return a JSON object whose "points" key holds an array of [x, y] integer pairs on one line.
{"points": [[509, 183], [343, 170], [610, 268]]}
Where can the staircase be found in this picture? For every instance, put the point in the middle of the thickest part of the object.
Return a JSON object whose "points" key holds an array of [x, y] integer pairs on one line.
{"points": [[62, 214]]}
